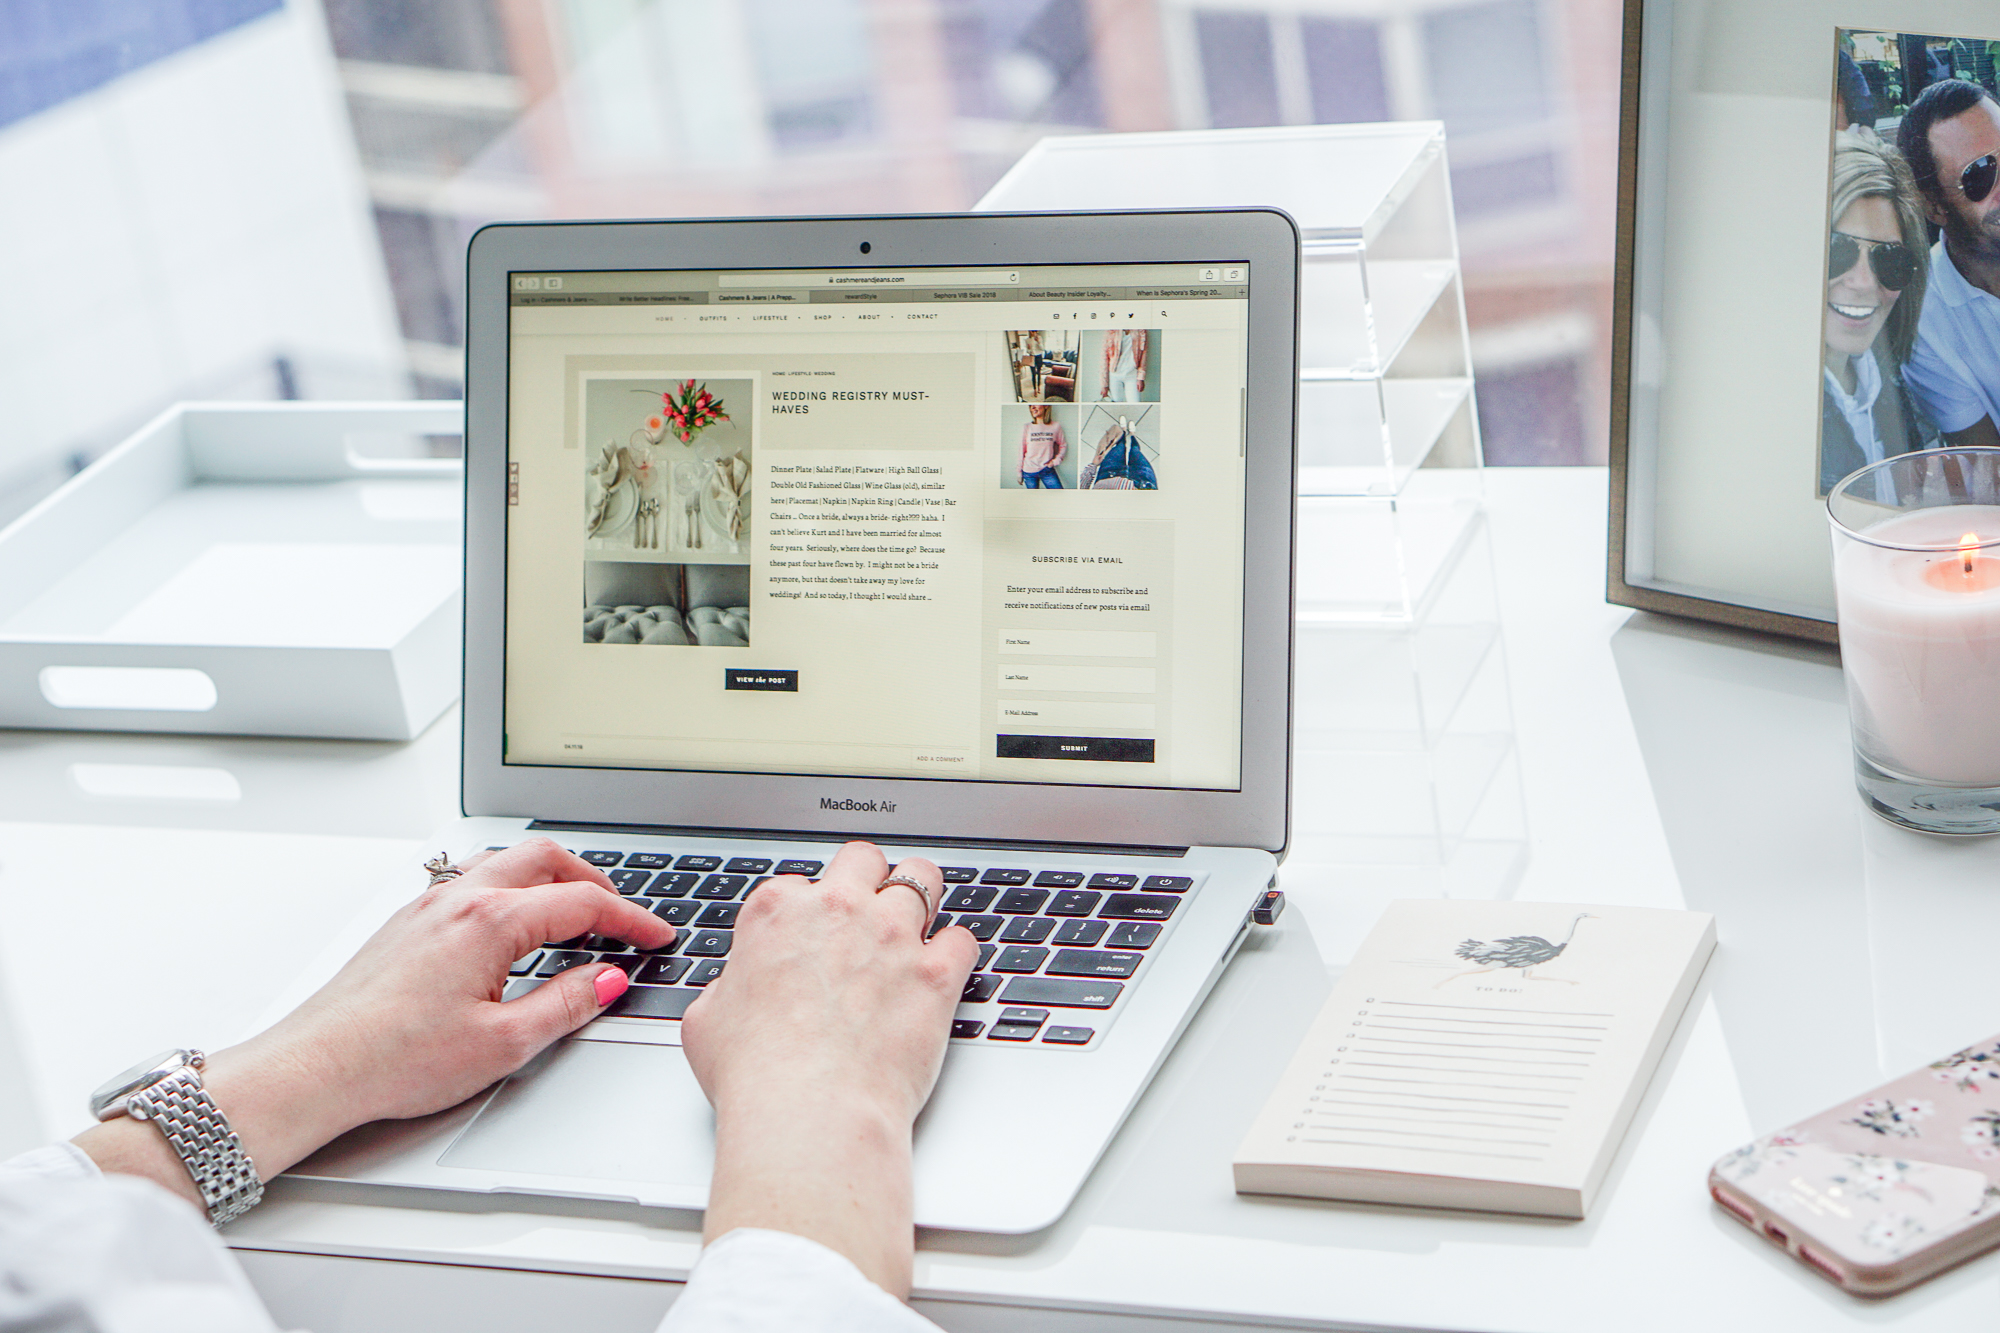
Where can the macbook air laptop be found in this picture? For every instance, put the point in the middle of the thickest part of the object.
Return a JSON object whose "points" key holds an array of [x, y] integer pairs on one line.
{"points": [[971, 535]]}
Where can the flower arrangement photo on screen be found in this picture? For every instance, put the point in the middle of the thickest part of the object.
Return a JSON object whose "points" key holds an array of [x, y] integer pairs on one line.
{"points": [[690, 410]]}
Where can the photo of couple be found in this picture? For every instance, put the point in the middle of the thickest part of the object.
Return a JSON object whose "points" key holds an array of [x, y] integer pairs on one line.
{"points": [[1911, 345]]}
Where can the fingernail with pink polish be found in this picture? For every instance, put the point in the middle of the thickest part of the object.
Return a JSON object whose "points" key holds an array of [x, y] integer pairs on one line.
{"points": [[610, 984]]}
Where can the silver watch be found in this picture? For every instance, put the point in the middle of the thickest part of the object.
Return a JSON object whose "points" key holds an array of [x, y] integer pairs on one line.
{"points": [[167, 1091]]}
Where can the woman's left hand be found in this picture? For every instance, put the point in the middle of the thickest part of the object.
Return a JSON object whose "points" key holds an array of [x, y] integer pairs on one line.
{"points": [[414, 1022]]}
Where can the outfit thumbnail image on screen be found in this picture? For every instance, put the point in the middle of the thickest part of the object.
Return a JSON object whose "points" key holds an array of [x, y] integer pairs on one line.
{"points": [[1121, 366], [1038, 446], [1119, 448], [666, 466], [705, 606], [1042, 364]]}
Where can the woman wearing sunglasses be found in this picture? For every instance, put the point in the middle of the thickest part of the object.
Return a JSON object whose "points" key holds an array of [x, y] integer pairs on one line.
{"points": [[1876, 268]]}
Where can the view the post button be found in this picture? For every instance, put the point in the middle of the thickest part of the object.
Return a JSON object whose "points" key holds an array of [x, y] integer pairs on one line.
{"points": [[746, 678]]}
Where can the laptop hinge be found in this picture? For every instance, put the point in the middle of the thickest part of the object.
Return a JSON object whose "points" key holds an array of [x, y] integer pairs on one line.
{"points": [[896, 839]]}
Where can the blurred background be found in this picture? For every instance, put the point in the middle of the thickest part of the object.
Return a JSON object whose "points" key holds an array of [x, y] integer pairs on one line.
{"points": [[271, 198]]}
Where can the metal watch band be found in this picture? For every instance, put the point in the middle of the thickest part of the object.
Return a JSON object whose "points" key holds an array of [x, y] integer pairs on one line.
{"points": [[195, 1126]]}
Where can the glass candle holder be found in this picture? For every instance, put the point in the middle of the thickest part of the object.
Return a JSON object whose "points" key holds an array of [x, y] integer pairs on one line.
{"points": [[1916, 578]]}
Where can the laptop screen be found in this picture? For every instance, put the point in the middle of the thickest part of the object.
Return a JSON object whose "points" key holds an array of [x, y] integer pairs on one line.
{"points": [[977, 524]]}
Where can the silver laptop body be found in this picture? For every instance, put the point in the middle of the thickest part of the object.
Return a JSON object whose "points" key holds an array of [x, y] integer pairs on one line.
{"points": [[1100, 662]]}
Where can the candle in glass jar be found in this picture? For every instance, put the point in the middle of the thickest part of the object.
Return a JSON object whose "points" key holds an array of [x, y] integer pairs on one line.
{"points": [[1920, 643]]}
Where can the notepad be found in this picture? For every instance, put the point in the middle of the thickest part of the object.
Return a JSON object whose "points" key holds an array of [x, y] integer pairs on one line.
{"points": [[1483, 1055]]}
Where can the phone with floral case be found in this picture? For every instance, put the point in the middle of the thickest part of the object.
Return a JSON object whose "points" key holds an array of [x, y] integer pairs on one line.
{"points": [[1879, 1193]]}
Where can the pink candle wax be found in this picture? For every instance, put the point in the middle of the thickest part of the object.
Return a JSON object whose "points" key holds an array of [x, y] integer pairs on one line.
{"points": [[1920, 643]]}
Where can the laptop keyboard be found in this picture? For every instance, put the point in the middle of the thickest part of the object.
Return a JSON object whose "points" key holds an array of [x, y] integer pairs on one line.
{"points": [[1058, 949]]}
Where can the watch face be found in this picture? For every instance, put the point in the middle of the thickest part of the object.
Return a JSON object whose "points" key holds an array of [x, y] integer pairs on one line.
{"points": [[141, 1075]]}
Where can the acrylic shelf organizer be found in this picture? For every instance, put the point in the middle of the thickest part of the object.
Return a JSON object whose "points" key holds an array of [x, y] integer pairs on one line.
{"points": [[1388, 428]]}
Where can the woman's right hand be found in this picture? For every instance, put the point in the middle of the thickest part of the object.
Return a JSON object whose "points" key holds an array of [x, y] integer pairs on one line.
{"points": [[818, 1046]]}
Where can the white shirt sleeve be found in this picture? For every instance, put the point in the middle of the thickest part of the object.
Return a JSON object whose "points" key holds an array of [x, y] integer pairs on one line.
{"points": [[754, 1281], [117, 1254]]}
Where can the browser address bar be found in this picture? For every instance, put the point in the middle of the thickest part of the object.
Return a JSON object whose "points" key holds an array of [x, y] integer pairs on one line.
{"points": [[934, 277]]}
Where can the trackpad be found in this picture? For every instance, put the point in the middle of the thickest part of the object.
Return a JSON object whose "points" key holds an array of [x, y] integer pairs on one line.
{"points": [[599, 1110]]}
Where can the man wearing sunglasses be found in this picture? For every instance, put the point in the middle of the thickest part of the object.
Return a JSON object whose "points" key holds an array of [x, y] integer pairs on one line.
{"points": [[1951, 137]]}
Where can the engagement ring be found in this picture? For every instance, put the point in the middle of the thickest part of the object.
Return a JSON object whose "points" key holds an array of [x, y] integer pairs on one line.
{"points": [[909, 882]]}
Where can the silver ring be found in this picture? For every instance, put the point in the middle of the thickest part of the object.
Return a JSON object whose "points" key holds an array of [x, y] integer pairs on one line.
{"points": [[910, 882], [442, 869]]}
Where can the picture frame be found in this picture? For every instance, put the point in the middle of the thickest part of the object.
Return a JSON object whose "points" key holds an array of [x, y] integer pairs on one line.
{"points": [[1722, 346]]}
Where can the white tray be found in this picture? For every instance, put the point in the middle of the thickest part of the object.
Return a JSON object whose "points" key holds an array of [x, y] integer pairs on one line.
{"points": [[241, 568]]}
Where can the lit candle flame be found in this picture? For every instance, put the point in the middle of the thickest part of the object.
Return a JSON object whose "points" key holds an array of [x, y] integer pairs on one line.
{"points": [[1968, 544]]}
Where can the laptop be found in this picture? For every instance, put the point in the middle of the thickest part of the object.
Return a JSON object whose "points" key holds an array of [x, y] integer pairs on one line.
{"points": [[970, 535]]}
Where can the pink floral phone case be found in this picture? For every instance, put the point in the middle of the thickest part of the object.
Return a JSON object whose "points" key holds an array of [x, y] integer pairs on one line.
{"points": [[1882, 1192]]}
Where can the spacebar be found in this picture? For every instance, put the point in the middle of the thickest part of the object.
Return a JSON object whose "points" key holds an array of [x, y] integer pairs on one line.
{"points": [[653, 1002], [1061, 994]]}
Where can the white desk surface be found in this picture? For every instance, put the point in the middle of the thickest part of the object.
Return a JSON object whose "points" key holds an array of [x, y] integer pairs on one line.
{"points": [[1662, 764]]}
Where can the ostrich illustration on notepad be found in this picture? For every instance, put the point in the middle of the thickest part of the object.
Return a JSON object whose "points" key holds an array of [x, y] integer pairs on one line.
{"points": [[1515, 953]]}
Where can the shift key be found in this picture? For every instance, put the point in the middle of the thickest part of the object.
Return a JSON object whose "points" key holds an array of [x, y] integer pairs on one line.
{"points": [[1140, 906], [1054, 993]]}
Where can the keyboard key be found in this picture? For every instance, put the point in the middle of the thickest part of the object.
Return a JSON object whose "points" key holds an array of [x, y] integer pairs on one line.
{"points": [[1027, 930], [966, 1027], [603, 858], [938, 922], [573, 942], [677, 885], [986, 952], [604, 944], [1033, 1017], [1076, 902], [1000, 876], [748, 865], [1060, 993], [1058, 879], [627, 962], [653, 1002], [1085, 933], [519, 986], [1140, 906], [1060, 1036], [1133, 935], [1168, 883], [1011, 1032], [959, 874], [728, 886], [662, 971], [526, 964], [699, 863], [557, 961], [1020, 958], [968, 899], [629, 882], [1022, 900], [807, 868], [982, 927], [677, 913], [708, 969], [979, 988], [1114, 881], [1093, 963], [709, 944], [721, 915], [650, 860]]}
